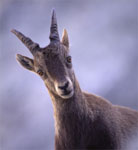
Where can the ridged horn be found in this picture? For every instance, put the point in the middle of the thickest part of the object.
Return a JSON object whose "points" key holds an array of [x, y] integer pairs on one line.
{"points": [[33, 47], [54, 36]]}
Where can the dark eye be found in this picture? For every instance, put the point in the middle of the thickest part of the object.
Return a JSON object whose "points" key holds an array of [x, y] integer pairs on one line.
{"points": [[40, 72], [69, 59]]}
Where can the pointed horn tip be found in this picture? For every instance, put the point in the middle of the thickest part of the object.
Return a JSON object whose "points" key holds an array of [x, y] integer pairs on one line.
{"points": [[53, 11], [64, 30], [13, 30], [18, 56]]}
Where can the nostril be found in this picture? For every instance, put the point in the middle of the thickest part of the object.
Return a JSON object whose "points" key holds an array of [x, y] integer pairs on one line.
{"points": [[64, 86]]}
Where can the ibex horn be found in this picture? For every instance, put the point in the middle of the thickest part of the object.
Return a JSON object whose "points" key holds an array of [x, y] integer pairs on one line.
{"points": [[27, 41], [54, 36]]}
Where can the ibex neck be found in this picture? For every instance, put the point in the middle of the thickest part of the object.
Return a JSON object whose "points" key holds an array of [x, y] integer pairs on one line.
{"points": [[68, 110]]}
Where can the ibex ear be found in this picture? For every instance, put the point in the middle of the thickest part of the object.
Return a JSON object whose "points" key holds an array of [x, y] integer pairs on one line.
{"points": [[25, 62], [65, 39]]}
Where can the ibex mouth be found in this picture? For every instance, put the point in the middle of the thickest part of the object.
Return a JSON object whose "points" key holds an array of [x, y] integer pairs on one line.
{"points": [[67, 94]]}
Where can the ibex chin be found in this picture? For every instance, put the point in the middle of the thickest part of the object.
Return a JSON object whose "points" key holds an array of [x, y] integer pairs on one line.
{"points": [[82, 120]]}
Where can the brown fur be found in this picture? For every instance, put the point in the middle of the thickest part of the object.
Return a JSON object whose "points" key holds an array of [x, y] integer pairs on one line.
{"points": [[82, 120], [91, 122]]}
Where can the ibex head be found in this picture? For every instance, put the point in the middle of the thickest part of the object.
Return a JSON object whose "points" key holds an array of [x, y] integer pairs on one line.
{"points": [[52, 63]]}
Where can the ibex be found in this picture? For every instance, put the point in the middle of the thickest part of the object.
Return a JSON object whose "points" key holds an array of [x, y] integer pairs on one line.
{"points": [[82, 120]]}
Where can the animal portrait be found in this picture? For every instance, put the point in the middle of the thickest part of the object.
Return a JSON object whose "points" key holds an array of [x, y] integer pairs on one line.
{"points": [[82, 120]]}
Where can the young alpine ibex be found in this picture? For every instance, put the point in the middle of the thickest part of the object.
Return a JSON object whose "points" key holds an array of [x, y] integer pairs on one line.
{"points": [[82, 120]]}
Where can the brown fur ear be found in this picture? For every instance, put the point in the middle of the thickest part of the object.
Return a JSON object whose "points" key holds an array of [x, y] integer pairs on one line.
{"points": [[26, 62], [65, 39]]}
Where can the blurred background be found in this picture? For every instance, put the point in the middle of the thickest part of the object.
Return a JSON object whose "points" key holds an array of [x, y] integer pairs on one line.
{"points": [[103, 44]]}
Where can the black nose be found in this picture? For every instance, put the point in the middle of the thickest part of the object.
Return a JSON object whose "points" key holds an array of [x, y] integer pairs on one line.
{"points": [[64, 87]]}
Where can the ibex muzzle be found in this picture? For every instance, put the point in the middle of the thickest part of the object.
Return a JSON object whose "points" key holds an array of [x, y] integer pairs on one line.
{"points": [[65, 88]]}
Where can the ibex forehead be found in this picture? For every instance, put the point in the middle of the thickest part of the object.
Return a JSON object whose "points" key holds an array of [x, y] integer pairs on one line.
{"points": [[54, 49], [50, 52]]}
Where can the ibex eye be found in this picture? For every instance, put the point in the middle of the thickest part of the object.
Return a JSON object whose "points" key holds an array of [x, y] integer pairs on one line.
{"points": [[69, 59], [40, 72]]}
